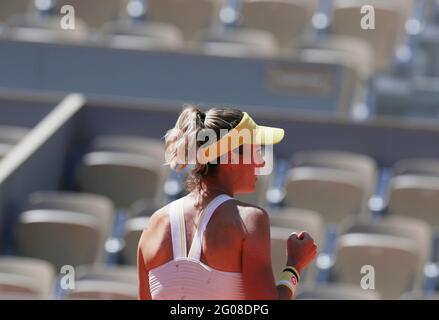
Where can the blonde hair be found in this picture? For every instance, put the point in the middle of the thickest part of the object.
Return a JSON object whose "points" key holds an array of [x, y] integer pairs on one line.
{"points": [[190, 123]]}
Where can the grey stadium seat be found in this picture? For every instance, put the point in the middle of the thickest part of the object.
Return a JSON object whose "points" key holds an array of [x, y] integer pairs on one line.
{"points": [[25, 277], [102, 11], [60, 237], [415, 196], [395, 261], [286, 20], [419, 231], [336, 292], [335, 194], [103, 282], [124, 178], [384, 39], [9, 9], [192, 17], [102, 290], [360, 164], [33, 28], [97, 206], [417, 166], [150, 147]]}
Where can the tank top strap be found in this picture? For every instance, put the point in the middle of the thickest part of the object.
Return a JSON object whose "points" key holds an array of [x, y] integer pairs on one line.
{"points": [[178, 229], [195, 250]]}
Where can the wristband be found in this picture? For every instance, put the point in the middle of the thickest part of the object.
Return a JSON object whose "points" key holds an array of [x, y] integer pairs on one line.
{"points": [[293, 271], [289, 279]]}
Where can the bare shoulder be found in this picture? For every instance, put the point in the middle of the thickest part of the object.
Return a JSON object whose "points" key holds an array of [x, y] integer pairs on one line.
{"points": [[157, 224], [254, 217]]}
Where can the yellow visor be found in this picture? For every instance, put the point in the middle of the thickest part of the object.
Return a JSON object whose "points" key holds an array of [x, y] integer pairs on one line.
{"points": [[246, 132]]}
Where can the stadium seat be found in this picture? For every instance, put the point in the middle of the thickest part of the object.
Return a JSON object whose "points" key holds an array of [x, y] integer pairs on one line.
{"points": [[133, 230], [285, 19], [9, 9], [395, 261], [359, 164], [25, 277], [60, 237], [350, 51], [334, 193], [34, 28], [123, 177], [149, 147], [417, 166], [99, 272], [99, 282], [102, 11], [145, 36], [419, 231], [192, 17], [94, 205], [336, 292], [384, 39], [102, 290], [240, 43], [415, 196]]}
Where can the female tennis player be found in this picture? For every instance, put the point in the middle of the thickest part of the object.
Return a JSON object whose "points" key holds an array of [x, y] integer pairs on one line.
{"points": [[208, 245]]}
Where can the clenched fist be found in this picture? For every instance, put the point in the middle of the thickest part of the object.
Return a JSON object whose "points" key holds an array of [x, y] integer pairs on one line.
{"points": [[301, 250]]}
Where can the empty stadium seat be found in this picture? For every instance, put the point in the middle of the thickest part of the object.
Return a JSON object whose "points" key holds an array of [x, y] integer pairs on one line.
{"points": [[336, 292], [417, 166], [334, 193], [240, 43], [34, 28], [415, 196], [9, 9], [133, 230], [102, 11], [99, 282], [102, 290], [192, 17], [150, 147], [350, 51], [359, 164], [419, 295], [285, 19], [145, 36], [395, 261], [124, 178], [115, 273], [25, 278], [389, 22], [94, 205], [419, 231], [60, 237]]}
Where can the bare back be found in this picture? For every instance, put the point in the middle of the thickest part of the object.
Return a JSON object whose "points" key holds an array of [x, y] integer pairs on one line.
{"points": [[223, 238]]}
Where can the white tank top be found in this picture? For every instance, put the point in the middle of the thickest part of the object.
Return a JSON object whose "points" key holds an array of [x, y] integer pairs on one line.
{"points": [[186, 277]]}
